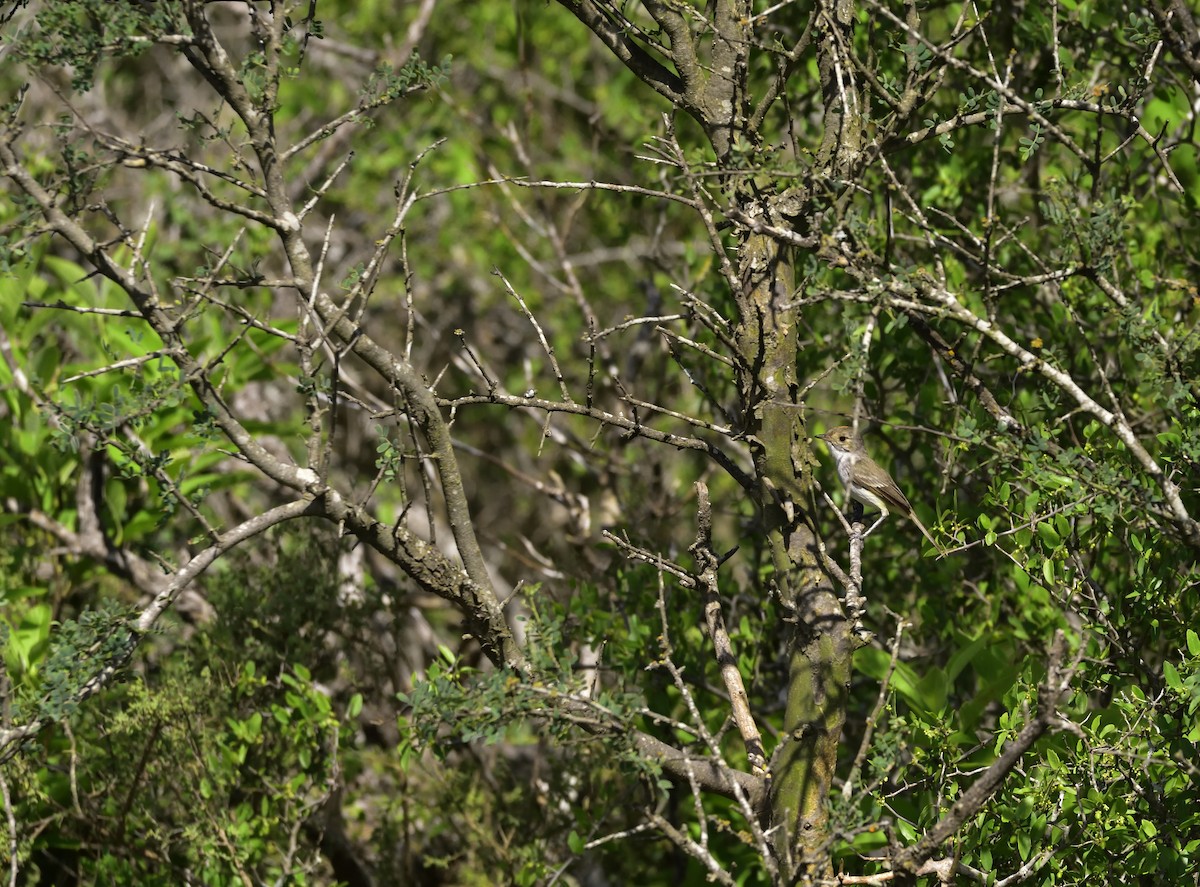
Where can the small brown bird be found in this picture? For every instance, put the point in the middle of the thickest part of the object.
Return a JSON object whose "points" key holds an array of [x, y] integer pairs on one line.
{"points": [[866, 481]]}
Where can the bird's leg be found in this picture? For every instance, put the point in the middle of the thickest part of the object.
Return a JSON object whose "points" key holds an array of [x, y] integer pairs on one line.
{"points": [[883, 515]]}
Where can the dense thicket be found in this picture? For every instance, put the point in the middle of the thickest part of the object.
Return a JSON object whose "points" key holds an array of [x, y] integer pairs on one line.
{"points": [[409, 466]]}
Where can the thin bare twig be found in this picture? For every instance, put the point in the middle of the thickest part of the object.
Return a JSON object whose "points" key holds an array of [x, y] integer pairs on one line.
{"points": [[707, 563], [546, 346]]}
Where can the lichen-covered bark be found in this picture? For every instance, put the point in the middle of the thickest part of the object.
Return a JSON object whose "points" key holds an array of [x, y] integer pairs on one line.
{"points": [[706, 73], [819, 673], [821, 640], [819, 643]]}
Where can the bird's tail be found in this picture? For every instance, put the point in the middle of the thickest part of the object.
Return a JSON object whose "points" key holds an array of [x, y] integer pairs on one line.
{"points": [[912, 515]]}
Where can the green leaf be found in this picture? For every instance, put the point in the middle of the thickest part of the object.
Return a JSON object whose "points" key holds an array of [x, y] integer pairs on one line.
{"points": [[932, 690], [1048, 534], [964, 656], [1171, 675], [575, 843], [1024, 845]]}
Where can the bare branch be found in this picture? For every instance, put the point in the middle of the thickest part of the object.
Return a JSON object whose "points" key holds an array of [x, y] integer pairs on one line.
{"points": [[706, 580], [616, 37]]}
